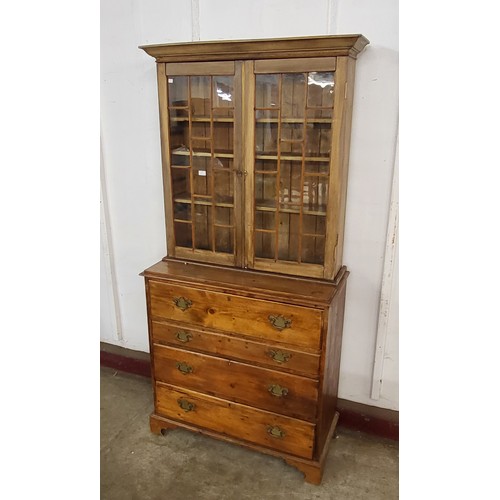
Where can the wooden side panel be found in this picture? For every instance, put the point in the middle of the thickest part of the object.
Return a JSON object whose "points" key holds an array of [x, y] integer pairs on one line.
{"points": [[332, 345], [347, 122], [238, 382], [233, 419], [270, 355], [231, 313]]}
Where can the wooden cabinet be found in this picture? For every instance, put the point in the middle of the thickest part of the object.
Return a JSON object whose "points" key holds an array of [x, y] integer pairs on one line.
{"points": [[245, 312]]}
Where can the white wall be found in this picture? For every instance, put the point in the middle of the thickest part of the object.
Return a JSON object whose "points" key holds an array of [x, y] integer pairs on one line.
{"points": [[131, 148]]}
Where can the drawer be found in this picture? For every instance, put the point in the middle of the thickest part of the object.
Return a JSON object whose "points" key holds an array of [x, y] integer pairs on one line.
{"points": [[267, 389], [276, 357], [295, 325], [232, 419]]}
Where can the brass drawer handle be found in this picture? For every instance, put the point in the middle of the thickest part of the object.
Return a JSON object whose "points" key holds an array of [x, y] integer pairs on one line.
{"points": [[280, 322], [186, 405], [279, 356], [275, 431], [182, 303], [184, 368], [277, 390], [183, 336]]}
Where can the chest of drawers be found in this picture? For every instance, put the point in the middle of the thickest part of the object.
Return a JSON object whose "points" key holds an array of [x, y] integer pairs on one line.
{"points": [[247, 357]]}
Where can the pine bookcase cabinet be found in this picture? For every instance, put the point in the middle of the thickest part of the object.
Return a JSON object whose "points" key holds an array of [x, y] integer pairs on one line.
{"points": [[246, 310]]}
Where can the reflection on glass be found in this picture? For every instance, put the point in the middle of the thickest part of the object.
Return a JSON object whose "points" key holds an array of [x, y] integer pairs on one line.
{"points": [[320, 89], [223, 91], [265, 190], [177, 91], [266, 91], [293, 95], [318, 139], [200, 96]]}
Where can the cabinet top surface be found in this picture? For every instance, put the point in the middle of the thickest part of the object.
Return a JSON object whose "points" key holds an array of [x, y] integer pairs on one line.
{"points": [[247, 282], [318, 46]]}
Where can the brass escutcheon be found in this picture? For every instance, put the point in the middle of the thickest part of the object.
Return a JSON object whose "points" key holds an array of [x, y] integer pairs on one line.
{"points": [[182, 303], [275, 431], [186, 405], [280, 322], [277, 390], [279, 356], [183, 336], [184, 368]]}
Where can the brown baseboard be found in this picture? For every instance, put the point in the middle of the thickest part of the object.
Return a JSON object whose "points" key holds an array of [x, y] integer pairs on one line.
{"points": [[356, 416]]}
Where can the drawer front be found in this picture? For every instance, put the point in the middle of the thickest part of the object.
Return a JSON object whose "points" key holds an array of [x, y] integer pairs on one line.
{"points": [[276, 357], [232, 419], [295, 325], [267, 389]]}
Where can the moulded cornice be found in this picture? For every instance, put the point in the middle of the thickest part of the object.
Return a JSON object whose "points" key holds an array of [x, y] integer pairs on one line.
{"points": [[268, 48]]}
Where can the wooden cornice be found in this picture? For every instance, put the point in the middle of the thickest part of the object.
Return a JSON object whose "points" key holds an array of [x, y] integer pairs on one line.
{"points": [[269, 48]]}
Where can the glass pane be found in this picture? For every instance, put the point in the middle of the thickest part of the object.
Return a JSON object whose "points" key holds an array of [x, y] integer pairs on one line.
{"points": [[292, 136], [183, 236], [288, 238], [314, 224], [319, 115], [264, 220], [180, 156], [266, 165], [290, 176], [200, 96], [223, 92], [223, 137], [266, 91], [293, 95], [223, 185], [223, 114], [203, 227], [313, 249], [201, 137], [202, 172], [266, 137], [181, 187], [179, 129], [320, 89], [317, 167], [264, 245], [318, 140], [182, 211], [177, 91], [315, 193], [265, 190], [224, 240], [223, 163], [224, 216]]}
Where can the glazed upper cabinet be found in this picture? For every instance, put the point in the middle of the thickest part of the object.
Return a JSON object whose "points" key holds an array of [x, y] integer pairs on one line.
{"points": [[255, 146]]}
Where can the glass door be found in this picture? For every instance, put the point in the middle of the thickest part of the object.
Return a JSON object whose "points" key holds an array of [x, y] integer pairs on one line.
{"points": [[202, 161], [292, 157]]}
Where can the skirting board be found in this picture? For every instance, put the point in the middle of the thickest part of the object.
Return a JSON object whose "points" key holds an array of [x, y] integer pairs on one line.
{"points": [[360, 417]]}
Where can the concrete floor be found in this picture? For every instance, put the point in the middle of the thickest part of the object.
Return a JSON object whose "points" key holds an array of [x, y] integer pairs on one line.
{"points": [[138, 465]]}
